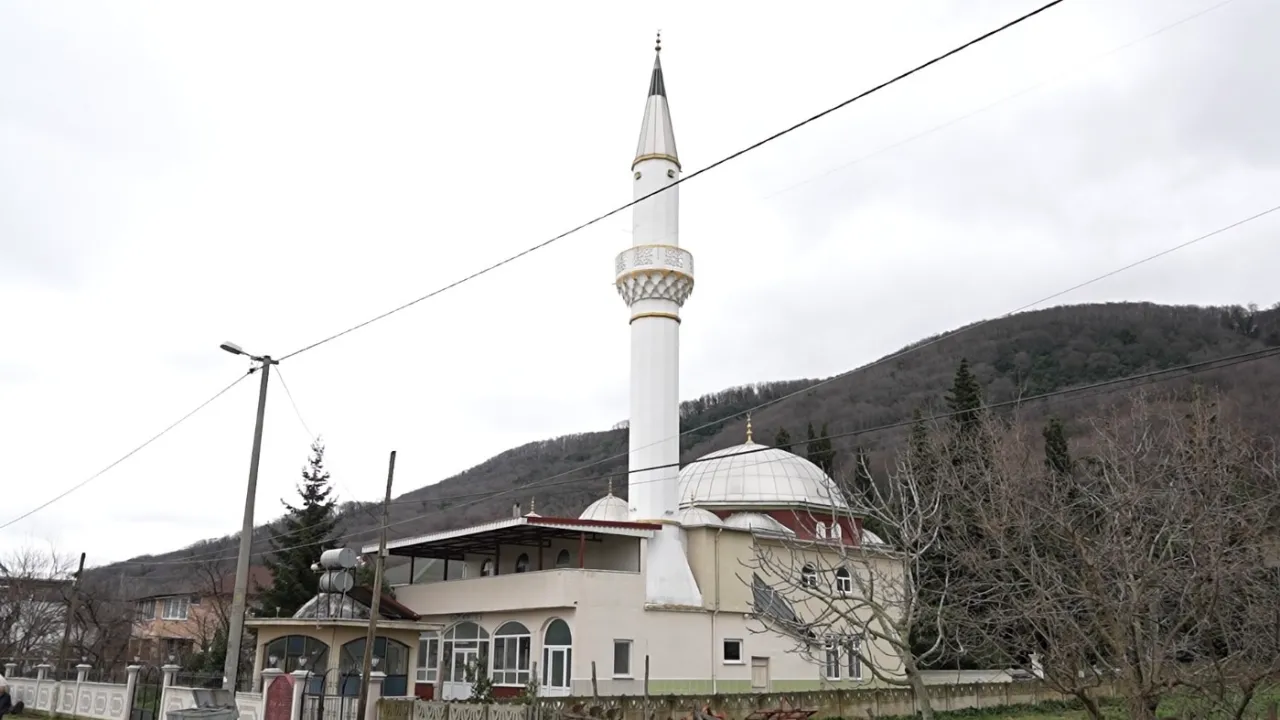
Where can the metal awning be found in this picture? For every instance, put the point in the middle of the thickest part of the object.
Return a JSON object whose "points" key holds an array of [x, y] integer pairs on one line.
{"points": [[530, 530]]}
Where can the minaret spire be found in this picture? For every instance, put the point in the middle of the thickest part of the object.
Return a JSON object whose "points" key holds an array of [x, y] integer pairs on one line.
{"points": [[657, 139]]}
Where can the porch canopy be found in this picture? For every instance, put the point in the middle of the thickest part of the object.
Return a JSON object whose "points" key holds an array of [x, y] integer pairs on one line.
{"points": [[530, 530]]}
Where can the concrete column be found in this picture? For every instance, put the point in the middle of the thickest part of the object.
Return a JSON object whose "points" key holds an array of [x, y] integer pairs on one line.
{"points": [[82, 674], [299, 684], [269, 676], [42, 683], [170, 674], [376, 678], [130, 684]]}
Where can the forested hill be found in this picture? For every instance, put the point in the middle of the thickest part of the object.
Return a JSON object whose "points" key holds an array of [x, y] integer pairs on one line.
{"points": [[1019, 356]]}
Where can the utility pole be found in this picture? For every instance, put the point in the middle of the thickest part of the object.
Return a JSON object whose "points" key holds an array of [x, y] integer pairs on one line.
{"points": [[236, 630], [73, 606], [363, 700]]}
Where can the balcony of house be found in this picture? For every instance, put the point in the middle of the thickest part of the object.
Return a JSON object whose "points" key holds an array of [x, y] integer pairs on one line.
{"points": [[522, 563]]}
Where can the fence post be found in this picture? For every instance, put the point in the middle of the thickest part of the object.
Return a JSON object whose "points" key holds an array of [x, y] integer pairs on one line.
{"points": [[170, 674], [299, 685], [269, 677], [11, 669], [376, 679], [42, 681], [82, 674], [130, 685]]}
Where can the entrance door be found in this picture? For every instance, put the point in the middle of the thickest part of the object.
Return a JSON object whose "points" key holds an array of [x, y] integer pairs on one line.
{"points": [[455, 685], [759, 674], [556, 665]]}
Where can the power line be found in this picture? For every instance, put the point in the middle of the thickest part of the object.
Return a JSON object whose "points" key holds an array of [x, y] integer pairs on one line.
{"points": [[551, 481], [1138, 379], [296, 411], [126, 456], [686, 178]]}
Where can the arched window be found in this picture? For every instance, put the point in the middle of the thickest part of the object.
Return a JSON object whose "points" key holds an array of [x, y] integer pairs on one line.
{"points": [[464, 644], [486, 568], [836, 531], [563, 559], [557, 657], [820, 530], [392, 657], [512, 655], [844, 581], [809, 576], [522, 563], [297, 652]]}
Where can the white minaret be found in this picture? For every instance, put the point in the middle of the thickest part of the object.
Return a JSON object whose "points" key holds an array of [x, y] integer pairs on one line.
{"points": [[655, 277]]}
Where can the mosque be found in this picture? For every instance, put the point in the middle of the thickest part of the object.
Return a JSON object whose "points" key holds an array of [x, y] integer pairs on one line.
{"points": [[657, 587]]}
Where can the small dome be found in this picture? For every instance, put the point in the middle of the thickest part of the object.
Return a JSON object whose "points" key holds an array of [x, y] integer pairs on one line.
{"points": [[755, 475], [695, 516], [756, 522], [870, 538], [609, 508]]}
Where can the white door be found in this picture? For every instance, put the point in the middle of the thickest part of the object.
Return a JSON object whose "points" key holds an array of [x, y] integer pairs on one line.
{"points": [[759, 674], [557, 663], [455, 685]]}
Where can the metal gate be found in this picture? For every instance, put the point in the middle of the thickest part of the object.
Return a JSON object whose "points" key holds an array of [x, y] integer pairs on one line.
{"points": [[330, 695], [147, 689]]}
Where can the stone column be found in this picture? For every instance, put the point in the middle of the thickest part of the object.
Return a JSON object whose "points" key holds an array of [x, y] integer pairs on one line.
{"points": [[376, 678], [82, 674], [269, 676], [10, 669], [42, 683], [130, 684], [170, 674], [300, 678]]}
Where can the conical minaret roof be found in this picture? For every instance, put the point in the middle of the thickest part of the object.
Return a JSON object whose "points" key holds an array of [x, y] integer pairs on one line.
{"points": [[657, 139]]}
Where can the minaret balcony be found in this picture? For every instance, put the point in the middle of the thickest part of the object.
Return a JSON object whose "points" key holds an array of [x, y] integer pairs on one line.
{"points": [[654, 272]]}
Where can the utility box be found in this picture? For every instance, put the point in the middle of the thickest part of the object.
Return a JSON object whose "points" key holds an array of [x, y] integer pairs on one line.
{"points": [[211, 704]]}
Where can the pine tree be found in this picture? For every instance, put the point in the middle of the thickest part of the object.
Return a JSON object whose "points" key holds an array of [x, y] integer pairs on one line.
{"points": [[303, 534], [1057, 456], [782, 440], [819, 451], [965, 399], [811, 448], [862, 473]]}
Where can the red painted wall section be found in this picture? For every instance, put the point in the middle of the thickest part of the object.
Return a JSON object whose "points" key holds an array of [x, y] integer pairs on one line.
{"points": [[802, 523], [507, 692], [424, 691]]}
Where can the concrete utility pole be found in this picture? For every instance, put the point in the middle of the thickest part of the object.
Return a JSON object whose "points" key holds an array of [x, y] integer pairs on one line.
{"points": [[372, 635], [73, 606], [235, 632]]}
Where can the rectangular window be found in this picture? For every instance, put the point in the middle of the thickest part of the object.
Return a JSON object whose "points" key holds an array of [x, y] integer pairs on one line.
{"points": [[622, 658], [428, 657], [175, 608], [145, 610], [852, 647], [831, 668], [732, 651], [511, 660]]}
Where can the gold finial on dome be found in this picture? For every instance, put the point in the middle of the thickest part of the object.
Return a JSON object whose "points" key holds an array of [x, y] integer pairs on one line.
{"points": [[657, 47], [533, 509], [748, 427], [610, 492]]}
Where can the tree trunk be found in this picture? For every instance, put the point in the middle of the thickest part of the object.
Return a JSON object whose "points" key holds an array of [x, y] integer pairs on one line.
{"points": [[1142, 707], [1090, 704], [921, 691]]}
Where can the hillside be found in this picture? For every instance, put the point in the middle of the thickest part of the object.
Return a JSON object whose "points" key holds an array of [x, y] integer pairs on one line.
{"points": [[1020, 356]]}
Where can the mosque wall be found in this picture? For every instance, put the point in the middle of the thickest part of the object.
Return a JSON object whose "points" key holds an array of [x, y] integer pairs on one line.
{"points": [[610, 553]]}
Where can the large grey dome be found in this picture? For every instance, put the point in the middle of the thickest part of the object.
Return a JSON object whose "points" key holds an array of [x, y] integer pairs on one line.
{"points": [[751, 475]]}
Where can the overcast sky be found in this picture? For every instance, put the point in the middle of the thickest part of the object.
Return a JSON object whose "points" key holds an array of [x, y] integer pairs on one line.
{"points": [[173, 175]]}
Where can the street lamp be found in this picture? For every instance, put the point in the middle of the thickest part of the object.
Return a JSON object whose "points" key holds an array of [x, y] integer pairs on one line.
{"points": [[236, 630]]}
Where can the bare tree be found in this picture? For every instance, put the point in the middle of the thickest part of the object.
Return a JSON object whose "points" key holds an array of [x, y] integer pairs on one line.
{"points": [[859, 598], [1140, 565], [104, 623], [33, 585]]}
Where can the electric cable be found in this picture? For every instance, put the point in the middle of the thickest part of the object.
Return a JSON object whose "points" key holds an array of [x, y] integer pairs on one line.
{"points": [[686, 178], [124, 457], [1137, 379]]}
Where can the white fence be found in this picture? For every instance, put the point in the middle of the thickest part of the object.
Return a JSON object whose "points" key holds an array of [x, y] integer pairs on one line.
{"points": [[111, 701]]}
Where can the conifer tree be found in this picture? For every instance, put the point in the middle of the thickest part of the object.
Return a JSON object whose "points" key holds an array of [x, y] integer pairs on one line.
{"points": [[1057, 456], [303, 534], [818, 450], [965, 399], [782, 440], [862, 473]]}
